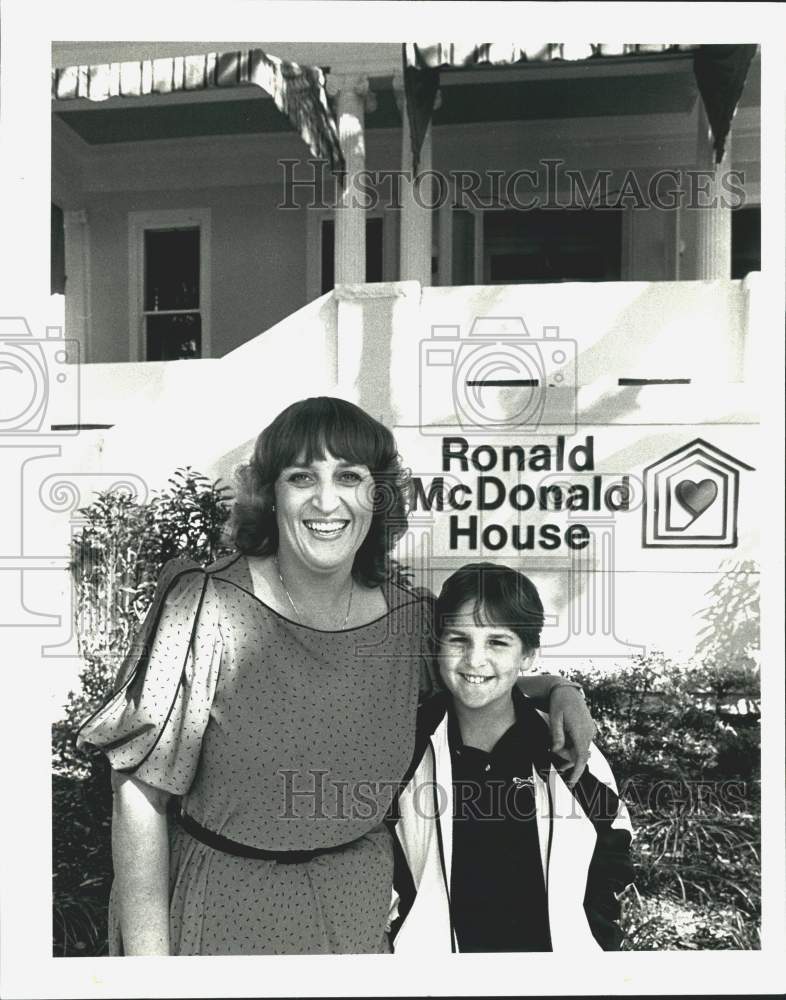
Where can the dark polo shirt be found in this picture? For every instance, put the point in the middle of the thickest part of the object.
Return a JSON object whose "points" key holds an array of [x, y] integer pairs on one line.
{"points": [[498, 895]]}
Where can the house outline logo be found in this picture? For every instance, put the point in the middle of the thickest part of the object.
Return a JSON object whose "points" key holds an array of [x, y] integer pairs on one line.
{"points": [[681, 510]]}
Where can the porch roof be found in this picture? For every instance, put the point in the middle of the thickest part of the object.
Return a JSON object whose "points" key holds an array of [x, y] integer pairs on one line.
{"points": [[541, 80], [663, 87], [298, 92], [720, 72]]}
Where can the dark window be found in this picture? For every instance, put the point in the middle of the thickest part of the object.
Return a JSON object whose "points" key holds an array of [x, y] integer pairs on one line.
{"points": [[373, 252], [745, 241], [173, 324], [174, 337], [463, 240], [57, 276], [547, 246]]}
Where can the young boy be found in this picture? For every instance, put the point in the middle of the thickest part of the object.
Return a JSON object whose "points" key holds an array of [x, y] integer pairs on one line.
{"points": [[524, 863]]}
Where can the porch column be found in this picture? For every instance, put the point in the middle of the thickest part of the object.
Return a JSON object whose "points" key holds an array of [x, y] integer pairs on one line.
{"points": [[352, 98], [77, 286], [415, 246], [711, 249]]}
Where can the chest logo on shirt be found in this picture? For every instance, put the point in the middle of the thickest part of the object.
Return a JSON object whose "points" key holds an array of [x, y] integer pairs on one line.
{"points": [[522, 782]]}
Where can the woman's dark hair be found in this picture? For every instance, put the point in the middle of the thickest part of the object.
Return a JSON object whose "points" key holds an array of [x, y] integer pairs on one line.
{"points": [[498, 595], [305, 432]]}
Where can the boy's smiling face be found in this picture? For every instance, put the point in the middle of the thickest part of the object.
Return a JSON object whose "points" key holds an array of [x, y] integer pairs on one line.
{"points": [[480, 663]]}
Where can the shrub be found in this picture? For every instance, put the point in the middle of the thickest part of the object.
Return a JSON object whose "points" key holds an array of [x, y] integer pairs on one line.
{"points": [[683, 740], [665, 924], [81, 863]]}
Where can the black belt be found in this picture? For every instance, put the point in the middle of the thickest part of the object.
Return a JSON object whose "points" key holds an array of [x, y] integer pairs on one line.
{"points": [[219, 843]]}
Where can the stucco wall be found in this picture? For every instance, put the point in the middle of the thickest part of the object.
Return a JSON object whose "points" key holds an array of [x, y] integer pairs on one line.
{"points": [[608, 599]]}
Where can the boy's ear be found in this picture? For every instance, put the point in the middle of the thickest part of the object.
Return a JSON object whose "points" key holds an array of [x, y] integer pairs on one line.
{"points": [[527, 664]]}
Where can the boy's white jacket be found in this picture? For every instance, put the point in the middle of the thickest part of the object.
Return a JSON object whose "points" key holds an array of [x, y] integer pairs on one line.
{"points": [[585, 855]]}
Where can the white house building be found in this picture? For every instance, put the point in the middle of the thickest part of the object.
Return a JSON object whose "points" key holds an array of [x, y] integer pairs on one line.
{"points": [[159, 156]]}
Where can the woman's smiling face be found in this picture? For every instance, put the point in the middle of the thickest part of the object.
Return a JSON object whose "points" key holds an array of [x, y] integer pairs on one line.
{"points": [[480, 663], [323, 511]]}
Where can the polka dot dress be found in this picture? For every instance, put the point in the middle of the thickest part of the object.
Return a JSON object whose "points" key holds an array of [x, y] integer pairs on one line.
{"points": [[277, 736]]}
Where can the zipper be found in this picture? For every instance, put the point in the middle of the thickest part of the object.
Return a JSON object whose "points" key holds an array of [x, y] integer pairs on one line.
{"points": [[441, 848], [551, 835], [548, 853]]}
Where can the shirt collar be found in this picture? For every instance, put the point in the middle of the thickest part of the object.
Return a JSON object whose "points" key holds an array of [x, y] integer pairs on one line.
{"points": [[530, 732]]}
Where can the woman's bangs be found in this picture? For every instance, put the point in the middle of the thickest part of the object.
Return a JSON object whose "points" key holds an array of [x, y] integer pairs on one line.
{"points": [[350, 441], [319, 428]]}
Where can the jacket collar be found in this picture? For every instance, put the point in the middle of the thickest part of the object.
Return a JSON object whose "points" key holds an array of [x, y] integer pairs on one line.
{"points": [[529, 723]]}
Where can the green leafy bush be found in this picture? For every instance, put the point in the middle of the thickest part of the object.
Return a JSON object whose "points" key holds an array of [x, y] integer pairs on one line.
{"points": [[683, 740], [116, 560], [81, 862], [691, 782], [664, 924]]}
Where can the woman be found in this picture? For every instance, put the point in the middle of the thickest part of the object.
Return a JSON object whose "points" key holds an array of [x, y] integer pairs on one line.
{"points": [[275, 695]]}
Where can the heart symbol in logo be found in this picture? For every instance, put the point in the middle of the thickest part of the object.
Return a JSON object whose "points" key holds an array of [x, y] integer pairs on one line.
{"points": [[696, 497]]}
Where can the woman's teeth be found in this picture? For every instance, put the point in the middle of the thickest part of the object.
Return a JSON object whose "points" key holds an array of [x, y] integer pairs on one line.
{"points": [[475, 678], [326, 529]]}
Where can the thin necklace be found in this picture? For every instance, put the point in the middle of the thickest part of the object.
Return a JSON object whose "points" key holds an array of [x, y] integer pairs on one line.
{"points": [[294, 606]]}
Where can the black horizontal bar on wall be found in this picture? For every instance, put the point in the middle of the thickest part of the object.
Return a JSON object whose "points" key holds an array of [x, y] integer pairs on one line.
{"points": [[80, 427], [653, 381], [516, 382]]}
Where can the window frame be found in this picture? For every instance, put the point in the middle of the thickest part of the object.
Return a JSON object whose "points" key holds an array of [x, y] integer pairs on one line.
{"points": [[177, 218], [314, 219], [550, 239]]}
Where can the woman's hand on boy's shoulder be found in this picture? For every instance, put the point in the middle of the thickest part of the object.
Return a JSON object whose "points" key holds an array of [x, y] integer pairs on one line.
{"points": [[572, 730], [571, 725]]}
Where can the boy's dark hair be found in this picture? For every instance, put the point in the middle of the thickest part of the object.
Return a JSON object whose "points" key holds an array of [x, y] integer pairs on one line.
{"points": [[499, 595]]}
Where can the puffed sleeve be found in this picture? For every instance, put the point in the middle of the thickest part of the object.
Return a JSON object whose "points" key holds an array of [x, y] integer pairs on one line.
{"points": [[152, 724]]}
